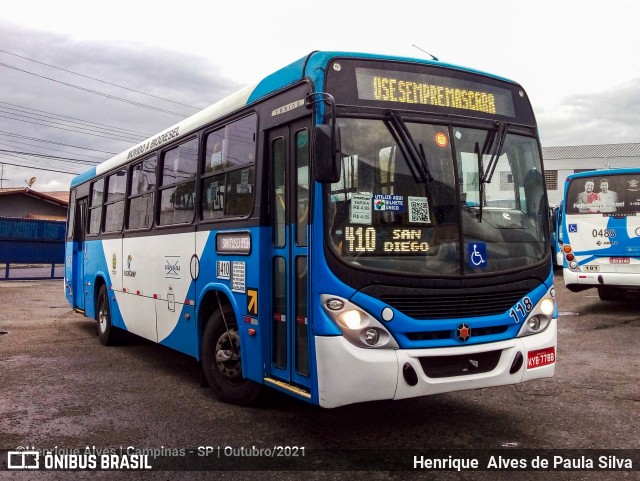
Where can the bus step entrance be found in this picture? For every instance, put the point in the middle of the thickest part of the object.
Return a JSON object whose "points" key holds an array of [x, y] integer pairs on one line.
{"points": [[290, 388]]}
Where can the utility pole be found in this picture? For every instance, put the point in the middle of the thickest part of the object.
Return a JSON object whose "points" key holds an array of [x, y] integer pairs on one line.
{"points": [[1, 175]]}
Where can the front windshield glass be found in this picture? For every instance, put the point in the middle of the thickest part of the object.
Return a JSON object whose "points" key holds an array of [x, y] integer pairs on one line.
{"points": [[385, 214]]}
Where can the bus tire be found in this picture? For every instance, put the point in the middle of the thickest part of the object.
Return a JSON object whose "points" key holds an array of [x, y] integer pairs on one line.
{"points": [[106, 332], [222, 361]]}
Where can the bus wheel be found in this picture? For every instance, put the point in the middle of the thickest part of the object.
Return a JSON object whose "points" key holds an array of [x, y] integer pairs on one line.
{"points": [[222, 360], [106, 332]]}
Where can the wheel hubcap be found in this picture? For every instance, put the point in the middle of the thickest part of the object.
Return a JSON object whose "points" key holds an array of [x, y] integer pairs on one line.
{"points": [[102, 319], [228, 355]]}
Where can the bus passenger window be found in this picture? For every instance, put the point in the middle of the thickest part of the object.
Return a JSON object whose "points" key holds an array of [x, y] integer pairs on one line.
{"points": [[228, 171], [114, 203], [178, 188], [95, 206], [143, 181]]}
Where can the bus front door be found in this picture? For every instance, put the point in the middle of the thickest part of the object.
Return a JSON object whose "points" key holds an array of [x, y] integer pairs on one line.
{"points": [[79, 252], [289, 201]]}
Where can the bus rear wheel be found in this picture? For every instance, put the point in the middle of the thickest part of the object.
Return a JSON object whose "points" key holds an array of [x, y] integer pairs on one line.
{"points": [[222, 360], [106, 332]]}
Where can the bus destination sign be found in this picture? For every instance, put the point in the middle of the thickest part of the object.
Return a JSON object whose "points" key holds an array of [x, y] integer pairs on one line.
{"points": [[436, 90]]}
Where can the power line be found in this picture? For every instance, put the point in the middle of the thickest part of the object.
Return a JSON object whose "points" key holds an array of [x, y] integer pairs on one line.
{"points": [[39, 168], [23, 109], [66, 123], [96, 92], [55, 143], [50, 157], [69, 130], [54, 164], [12, 143], [98, 80]]}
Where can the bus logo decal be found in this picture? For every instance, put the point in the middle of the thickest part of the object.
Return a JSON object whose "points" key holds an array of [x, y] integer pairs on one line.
{"points": [[129, 272], [463, 332], [171, 267], [287, 108]]}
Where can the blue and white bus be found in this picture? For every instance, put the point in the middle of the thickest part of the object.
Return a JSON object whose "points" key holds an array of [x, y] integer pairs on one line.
{"points": [[353, 227], [601, 232], [555, 225]]}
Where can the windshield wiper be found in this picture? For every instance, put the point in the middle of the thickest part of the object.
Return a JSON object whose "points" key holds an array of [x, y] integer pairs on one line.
{"points": [[416, 155], [479, 153], [495, 141]]}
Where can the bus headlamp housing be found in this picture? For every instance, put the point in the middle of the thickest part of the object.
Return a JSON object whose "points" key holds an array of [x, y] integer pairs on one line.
{"points": [[358, 326], [540, 316]]}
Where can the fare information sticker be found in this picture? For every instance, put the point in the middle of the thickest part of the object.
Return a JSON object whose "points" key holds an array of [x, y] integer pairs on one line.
{"points": [[360, 209]]}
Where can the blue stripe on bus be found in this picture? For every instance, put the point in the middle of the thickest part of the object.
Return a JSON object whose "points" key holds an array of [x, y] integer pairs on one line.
{"points": [[87, 175]]}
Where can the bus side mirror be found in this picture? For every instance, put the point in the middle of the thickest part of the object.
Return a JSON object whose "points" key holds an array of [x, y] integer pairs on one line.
{"points": [[327, 154]]}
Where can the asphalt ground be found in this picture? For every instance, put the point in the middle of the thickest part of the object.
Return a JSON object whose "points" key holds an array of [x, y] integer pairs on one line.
{"points": [[59, 387]]}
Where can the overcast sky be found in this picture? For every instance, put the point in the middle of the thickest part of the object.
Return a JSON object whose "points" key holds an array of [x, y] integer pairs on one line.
{"points": [[579, 62]]}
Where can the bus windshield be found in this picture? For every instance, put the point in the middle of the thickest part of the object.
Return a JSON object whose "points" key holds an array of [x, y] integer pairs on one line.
{"points": [[386, 214]]}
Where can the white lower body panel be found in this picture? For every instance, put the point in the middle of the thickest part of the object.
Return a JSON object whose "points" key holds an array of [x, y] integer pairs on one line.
{"points": [[348, 374], [612, 279]]}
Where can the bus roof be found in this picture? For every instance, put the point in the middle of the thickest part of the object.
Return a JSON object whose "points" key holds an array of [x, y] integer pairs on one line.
{"points": [[601, 172], [310, 66]]}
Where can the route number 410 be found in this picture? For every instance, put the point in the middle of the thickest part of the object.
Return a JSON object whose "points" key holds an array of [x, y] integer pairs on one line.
{"points": [[521, 310]]}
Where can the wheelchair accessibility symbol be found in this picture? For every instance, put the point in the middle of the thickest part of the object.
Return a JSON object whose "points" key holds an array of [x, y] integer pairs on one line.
{"points": [[477, 255]]}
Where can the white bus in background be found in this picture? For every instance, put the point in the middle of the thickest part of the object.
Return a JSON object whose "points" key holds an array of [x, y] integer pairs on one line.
{"points": [[601, 232]]}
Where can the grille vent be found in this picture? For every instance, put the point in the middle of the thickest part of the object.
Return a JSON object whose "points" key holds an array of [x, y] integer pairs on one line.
{"points": [[448, 306]]}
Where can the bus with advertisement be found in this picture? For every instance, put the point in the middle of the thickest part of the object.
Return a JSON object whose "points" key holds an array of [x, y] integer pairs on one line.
{"points": [[601, 232], [353, 227]]}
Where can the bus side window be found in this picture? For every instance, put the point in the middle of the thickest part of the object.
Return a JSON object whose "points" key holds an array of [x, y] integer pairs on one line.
{"points": [[143, 183], [177, 183], [114, 202], [229, 169], [95, 207]]}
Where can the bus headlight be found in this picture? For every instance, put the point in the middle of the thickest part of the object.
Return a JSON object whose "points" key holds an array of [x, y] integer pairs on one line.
{"points": [[546, 306], [534, 323], [358, 326], [350, 319], [540, 316], [371, 336]]}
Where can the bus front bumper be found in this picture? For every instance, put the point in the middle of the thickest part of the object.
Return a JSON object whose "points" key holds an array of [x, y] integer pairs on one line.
{"points": [[348, 374]]}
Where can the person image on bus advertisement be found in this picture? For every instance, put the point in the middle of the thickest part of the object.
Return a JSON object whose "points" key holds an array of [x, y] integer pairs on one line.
{"points": [[607, 198], [587, 200]]}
